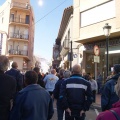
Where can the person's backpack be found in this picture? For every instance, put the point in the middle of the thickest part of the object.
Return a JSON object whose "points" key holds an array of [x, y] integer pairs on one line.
{"points": [[115, 114]]}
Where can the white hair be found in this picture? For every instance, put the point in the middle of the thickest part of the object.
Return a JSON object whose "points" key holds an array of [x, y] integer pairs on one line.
{"points": [[66, 74]]}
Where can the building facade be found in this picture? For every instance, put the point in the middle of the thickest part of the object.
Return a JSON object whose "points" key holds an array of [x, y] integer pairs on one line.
{"points": [[89, 19], [17, 21], [67, 48]]}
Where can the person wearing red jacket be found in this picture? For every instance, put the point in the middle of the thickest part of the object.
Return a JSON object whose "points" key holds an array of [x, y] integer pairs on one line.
{"points": [[108, 115]]}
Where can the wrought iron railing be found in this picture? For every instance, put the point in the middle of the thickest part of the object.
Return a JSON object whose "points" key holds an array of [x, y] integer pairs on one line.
{"points": [[18, 52], [19, 36], [20, 5], [19, 20]]}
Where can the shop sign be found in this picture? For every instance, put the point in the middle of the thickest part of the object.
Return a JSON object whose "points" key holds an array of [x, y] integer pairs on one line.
{"points": [[97, 59], [102, 44]]}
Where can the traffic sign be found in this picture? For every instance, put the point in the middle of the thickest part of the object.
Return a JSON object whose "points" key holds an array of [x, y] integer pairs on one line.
{"points": [[96, 50]]}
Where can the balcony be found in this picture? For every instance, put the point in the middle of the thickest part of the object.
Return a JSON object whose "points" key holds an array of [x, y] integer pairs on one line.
{"points": [[19, 21], [65, 47], [18, 53], [21, 6], [20, 37]]}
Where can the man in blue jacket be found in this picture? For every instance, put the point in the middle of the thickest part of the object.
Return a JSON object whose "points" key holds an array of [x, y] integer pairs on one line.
{"points": [[75, 95], [56, 93], [15, 73], [109, 96], [33, 102]]}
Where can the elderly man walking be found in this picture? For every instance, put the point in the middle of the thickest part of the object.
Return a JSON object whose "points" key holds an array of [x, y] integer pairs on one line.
{"points": [[7, 89], [50, 81], [76, 95]]}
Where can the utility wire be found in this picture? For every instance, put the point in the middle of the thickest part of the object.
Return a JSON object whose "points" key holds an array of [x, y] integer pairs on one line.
{"points": [[50, 12]]}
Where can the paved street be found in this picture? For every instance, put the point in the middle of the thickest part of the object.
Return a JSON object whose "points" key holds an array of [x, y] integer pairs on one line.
{"points": [[90, 115]]}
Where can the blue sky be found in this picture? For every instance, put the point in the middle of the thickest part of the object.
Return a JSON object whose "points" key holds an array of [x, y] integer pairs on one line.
{"points": [[46, 30]]}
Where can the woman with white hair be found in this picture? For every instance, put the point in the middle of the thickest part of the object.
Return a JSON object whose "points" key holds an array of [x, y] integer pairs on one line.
{"points": [[66, 74], [114, 112], [7, 88]]}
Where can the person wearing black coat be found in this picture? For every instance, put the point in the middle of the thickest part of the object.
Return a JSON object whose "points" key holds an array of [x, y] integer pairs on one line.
{"points": [[7, 89], [40, 80]]}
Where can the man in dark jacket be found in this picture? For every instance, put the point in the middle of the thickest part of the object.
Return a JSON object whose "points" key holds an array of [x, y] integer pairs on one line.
{"points": [[40, 81], [15, 73], [109, 96], [56, 93], [7, 89], [33, 102], [76, 95]]}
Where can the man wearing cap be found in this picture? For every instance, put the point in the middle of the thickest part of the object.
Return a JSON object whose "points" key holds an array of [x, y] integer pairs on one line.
{"points": [[109, 96]]}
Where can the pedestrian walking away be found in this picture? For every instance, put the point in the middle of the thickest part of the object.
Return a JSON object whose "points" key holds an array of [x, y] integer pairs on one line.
{"points": [[33, 102], [40, 81], [15, 73], [93, 87], [56, 93], [75, 95], [99, 82], [109, 96], [115, 110], [50, 81], [7, 89]]}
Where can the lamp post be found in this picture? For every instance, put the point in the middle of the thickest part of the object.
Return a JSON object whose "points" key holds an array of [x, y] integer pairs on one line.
{"points": [[71, 56], [106, 30]]}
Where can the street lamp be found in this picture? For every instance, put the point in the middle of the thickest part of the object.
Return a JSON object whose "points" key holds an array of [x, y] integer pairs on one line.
{"points": [[71, 55], [106, 30]]}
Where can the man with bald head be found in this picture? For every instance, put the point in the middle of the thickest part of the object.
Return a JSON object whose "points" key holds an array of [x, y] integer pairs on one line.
{"points": [[75, 95], [50, 81]]}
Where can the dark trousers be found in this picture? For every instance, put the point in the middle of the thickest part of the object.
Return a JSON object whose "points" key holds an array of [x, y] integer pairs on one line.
{"points": [[75, 115], [60, 111], [94, 95], [99, 87]]}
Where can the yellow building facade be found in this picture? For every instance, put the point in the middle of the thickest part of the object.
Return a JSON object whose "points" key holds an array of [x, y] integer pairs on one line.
{"points": [[17, 32]]}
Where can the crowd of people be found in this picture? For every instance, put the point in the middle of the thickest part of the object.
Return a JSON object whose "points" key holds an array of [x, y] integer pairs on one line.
{"points": [[31, 97]]}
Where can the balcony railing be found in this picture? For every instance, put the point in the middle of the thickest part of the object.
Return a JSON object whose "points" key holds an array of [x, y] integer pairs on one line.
{"points": [[20, 5], [19, 20], [18, 52], [18, 36]]}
